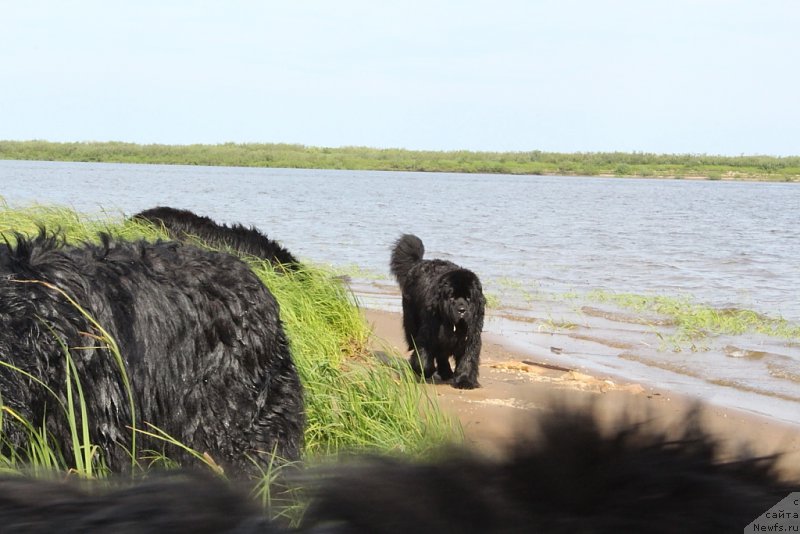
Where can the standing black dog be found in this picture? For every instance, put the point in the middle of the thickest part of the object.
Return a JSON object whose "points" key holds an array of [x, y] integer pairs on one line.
{"points": [[200, 336], [443, 308], [183, 224]]}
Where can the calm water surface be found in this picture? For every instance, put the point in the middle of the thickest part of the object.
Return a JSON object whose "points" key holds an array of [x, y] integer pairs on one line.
{"points": [[727, 244]]}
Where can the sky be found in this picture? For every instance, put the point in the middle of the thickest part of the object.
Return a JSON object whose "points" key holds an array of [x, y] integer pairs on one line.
{"points": [[664, 76]]}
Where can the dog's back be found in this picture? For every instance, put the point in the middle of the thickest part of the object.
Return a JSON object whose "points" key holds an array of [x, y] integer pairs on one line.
{"points": [[175, 313], [180, 501], [182, 224], [407, 252]]}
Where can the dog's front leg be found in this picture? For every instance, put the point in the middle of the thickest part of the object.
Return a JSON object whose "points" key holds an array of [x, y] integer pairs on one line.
{"points": [[467, 363], [443, 365]]}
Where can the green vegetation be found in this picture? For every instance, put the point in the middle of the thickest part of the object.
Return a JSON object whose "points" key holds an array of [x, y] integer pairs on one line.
{"points": [[352, 401], [680, 322], [695, 321], [364, 158]]}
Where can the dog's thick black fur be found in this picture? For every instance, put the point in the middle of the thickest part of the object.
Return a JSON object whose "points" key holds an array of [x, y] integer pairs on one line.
{"points": [[571, 477], [201, 338], [443, 306], [169, 503], [184, 224]]}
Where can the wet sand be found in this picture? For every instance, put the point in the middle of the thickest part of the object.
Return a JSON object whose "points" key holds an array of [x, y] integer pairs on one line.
{"points": [[516, 385]]}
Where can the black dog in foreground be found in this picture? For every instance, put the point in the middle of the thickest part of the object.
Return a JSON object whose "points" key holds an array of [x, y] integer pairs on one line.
{"points": [[571, 477], [184, 224], [169, 503], [199, 334], [443, 306]]}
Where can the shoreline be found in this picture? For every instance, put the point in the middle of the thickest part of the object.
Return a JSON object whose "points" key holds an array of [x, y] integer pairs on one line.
{"points": [[750, 168], [603, 339], [516, 384]]}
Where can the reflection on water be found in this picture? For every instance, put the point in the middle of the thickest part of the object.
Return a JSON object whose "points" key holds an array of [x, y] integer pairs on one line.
{"points": [[728, 244]]}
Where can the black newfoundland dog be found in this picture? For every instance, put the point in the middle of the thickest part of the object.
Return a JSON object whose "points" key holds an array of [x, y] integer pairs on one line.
{"points": [[200, 336], [184, 225], [443, 308], [573, 478]]}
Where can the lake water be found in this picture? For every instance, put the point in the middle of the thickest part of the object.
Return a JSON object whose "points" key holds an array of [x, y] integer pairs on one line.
{"points": [[533, 240]]}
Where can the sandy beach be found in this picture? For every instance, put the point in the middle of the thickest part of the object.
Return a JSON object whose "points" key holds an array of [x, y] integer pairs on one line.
{"points": [[515, 386]]}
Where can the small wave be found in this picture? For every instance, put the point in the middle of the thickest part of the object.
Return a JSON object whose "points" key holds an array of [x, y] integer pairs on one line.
{"points": [[751, 389], [735, 352], [784, 372], [620, 317]]}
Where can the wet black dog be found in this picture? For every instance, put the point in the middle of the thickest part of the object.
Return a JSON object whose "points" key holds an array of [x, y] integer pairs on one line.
{"points": [[572, 477], [443, 306], [184, 224], [203, 346]]}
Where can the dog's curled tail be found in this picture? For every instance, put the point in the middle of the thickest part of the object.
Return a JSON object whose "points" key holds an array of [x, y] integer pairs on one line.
{"points": [[407, 251]]}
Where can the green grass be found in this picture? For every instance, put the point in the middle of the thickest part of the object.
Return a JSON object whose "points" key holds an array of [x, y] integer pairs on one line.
{"points": [[690, 322], [695, 321], [353, 403], [533, 162]]}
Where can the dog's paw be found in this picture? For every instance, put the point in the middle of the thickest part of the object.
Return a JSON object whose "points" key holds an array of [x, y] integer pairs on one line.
{"points": [[465, 383]]}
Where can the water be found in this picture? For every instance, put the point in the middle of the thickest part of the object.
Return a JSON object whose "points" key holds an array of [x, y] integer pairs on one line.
{"points": [[530, 238]]}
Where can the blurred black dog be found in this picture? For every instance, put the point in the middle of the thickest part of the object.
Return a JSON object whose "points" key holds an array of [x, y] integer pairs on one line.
{"points": [[184, 224], [200, 337], [169, 503], [571, 477], [443, 307]]}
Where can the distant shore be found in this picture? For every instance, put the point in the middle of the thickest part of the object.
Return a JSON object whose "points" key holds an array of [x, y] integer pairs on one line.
{"points": [[535, 162]]}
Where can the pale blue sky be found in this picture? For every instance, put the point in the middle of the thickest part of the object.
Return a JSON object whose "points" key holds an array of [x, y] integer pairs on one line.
{"points": [[673, 76]]}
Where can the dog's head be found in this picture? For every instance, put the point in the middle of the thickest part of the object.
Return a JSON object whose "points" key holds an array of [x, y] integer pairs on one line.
{"points": [[461, 298]]}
